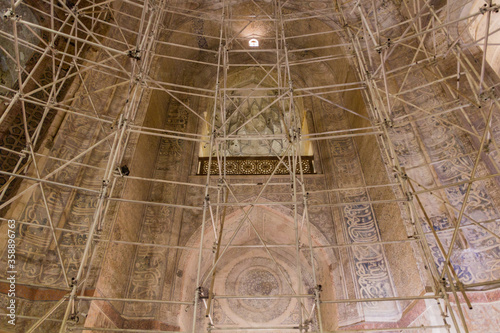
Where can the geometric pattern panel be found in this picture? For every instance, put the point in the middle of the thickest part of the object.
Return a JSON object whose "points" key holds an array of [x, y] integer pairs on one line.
{"points": [[254, 165]]}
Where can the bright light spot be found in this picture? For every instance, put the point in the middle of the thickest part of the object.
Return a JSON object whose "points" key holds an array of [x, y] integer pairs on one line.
{"points": [[253, 42]]}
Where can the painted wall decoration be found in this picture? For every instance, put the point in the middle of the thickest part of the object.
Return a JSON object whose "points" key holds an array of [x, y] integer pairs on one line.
{"points": [[359, 223]]}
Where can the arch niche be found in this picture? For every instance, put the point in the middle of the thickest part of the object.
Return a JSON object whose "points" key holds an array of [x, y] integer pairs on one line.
{"points": [[244, 270]]}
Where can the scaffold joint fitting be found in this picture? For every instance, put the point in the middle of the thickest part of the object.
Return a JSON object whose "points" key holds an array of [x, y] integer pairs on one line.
{"points": [[485, 8], [487, 146], [318, 289], [74, 318], [200, 293], [134, 54], [388, 123], [488, 94], [10, 14]]}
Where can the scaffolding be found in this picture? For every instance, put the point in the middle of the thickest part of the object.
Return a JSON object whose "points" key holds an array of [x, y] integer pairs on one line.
{"points": [[365, 45]]}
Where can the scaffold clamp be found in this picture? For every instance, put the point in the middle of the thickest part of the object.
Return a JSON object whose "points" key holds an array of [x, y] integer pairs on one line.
{"points": [[10, 14]]}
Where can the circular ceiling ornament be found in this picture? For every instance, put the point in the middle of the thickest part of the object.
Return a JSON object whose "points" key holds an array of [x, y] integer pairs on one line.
{"points": [[258, 281], [259, 277]]}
